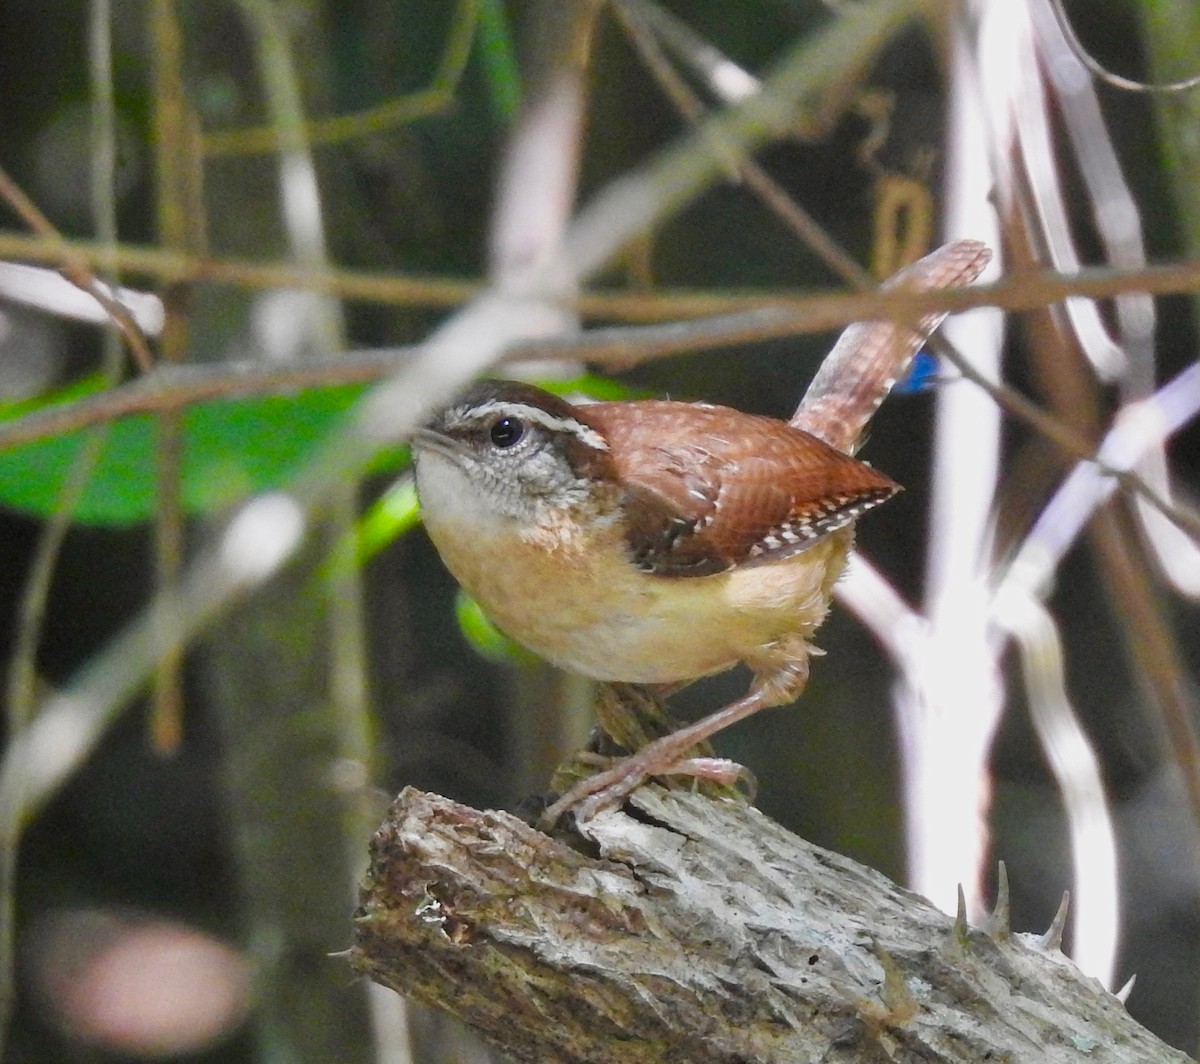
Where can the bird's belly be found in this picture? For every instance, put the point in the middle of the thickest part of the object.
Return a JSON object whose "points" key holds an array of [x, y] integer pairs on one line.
{"points": [[585, 608]]}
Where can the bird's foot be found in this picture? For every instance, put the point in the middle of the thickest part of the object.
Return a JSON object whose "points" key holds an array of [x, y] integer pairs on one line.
{"points": [[611, 786]]}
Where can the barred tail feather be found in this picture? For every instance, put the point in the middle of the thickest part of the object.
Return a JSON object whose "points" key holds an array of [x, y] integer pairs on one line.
{"points": [[871, 356]]}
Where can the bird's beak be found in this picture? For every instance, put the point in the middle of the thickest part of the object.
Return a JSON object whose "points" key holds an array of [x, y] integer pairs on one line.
{"points": [[432, 440]]}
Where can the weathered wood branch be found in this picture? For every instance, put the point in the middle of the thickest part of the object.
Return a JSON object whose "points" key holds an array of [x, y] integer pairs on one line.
{"points": [[699, 930]]}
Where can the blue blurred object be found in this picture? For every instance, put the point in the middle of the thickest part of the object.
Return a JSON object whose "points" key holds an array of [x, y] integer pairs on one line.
{"points": [[922, 374]]}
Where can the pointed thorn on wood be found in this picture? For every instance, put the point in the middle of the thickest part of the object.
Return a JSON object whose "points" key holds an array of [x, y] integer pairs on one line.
{"points": [[962, 929], [902, 1006], [1122, 995], [999, 924], [1052, 939]]}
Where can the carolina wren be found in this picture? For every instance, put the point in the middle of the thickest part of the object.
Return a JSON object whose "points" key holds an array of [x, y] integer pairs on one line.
{"points": [[656, 542]]}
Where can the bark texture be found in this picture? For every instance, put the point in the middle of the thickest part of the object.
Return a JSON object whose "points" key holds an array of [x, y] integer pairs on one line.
{"points": [[692, 929]]}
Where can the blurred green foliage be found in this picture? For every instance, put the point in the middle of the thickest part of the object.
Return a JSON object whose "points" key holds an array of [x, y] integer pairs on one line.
{"points": [[230, 449]]}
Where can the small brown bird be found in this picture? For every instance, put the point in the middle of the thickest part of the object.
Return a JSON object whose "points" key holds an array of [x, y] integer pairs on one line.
{"points": [[657, 542]]}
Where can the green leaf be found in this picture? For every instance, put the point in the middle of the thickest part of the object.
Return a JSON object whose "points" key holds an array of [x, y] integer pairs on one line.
{"points": [[485, 637], [231, 449], [390, 516], [79, 389]]}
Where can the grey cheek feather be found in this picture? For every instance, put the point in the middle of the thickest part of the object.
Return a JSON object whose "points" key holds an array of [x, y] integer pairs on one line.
{"points": [[547, 479]]}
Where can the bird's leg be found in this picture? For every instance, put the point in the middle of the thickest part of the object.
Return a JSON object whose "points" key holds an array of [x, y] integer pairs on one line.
{"points": [[665, 755], [630, 718], [607, 788]]}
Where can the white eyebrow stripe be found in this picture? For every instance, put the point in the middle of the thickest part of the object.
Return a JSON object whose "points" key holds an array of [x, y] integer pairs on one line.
{"points": [[537, 416]]}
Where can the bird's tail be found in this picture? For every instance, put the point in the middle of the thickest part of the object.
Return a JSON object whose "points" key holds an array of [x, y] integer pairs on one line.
{"points": [[871, 356]]}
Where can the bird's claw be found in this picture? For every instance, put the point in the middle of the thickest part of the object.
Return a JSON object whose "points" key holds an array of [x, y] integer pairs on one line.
{"points": [[606, 789]]}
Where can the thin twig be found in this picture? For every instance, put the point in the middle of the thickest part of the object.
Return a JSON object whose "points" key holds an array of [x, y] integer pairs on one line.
{"points": [[78, 269], [1099, 70], [179, 178], [802, 224], [1016, 292], [436, 98], [49, 291], [1069, 441], [31, 610]]}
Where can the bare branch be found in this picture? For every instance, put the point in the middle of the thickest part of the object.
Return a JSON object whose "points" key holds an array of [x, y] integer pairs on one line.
{"points": [[555, 956]]}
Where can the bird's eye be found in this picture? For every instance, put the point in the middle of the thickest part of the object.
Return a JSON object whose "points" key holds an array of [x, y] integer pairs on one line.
{"points": [[507, 432]]}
